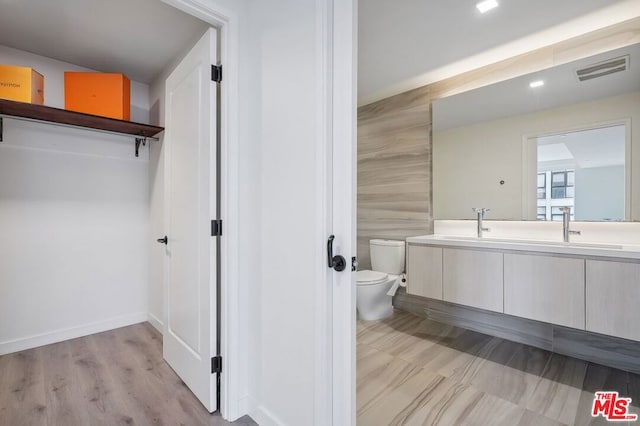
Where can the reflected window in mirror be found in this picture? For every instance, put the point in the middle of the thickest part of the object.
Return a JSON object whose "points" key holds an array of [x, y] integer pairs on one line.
{"points": [[542, 187], [556, 213], [562, 184], [583, 170], [558, 191]]}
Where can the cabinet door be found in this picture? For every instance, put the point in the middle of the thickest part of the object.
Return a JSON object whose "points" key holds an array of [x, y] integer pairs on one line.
{"points": [[613, 297], [545, 288], [473, 278], [424, 271]]}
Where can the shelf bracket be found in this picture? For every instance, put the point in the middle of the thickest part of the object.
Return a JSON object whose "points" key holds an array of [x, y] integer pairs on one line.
{"points": [[1, 130], [139, 141]]}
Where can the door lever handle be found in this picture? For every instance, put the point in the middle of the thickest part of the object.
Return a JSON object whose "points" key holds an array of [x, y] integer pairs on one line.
{"points": [[337, 263], [164, 240]]}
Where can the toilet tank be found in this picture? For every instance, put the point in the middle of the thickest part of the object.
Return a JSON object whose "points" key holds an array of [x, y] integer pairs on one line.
{"points": [[387, 256]]}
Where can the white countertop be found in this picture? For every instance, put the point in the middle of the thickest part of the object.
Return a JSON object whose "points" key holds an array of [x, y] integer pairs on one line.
{"points": [[552, 247]]}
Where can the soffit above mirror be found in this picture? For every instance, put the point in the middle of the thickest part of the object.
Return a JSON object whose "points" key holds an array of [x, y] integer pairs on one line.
{"points": [[402, 42], [561, 87]]}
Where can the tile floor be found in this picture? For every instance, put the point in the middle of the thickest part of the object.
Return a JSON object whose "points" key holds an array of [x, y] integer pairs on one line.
{"points": [[410, 371], [414, 371]]}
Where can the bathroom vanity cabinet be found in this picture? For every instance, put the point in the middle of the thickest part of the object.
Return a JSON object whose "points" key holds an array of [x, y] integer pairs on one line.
{"points": [[466, 277], [613, 298], [473, 278], [424, 271], [596, 289], [545, 288]]}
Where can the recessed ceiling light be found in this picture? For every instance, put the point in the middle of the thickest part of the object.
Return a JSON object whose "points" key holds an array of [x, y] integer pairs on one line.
{"points": [[536, 83], [486, 5]]}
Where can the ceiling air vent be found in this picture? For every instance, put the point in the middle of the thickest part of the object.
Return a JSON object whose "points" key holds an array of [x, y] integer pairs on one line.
{"points": [[603, 68]]}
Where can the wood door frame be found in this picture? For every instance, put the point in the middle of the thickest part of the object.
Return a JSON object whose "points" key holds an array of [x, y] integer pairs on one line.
{"points": [[226, 22]]}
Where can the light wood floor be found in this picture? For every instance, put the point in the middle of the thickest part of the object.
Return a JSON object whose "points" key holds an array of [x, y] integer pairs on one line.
{"points": [[112, 378], [409, 371], [413, 371]]}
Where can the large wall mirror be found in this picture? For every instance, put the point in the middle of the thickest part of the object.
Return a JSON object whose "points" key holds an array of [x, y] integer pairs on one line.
{"points": [[527, 146]]}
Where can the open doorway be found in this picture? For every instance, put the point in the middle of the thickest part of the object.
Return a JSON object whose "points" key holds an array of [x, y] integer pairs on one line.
{"points": [[117, 276], [449, 351]]}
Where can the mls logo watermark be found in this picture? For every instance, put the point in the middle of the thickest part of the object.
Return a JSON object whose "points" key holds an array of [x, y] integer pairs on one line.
{"points": [[612, 407]]}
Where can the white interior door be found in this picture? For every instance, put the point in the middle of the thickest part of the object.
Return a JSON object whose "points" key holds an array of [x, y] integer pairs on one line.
{"points": [[190, 334]]}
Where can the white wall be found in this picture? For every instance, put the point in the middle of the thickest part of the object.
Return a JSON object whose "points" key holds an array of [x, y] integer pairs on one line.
{"points": [[53, 72], [73, 232], [73, 224], [284, 119], [469, 162]]}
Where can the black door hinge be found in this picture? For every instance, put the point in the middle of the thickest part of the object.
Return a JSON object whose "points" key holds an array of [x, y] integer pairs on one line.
{"points": [[216, 364], [216, 73], [216, 228]]}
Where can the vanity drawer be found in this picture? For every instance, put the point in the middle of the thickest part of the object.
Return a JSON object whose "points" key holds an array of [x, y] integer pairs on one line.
{"points": [[424, 271], [613, 298], [473, 278], [545, 288]]}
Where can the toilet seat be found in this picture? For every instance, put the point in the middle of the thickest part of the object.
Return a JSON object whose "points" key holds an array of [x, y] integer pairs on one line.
{"points": [[367, 277]]}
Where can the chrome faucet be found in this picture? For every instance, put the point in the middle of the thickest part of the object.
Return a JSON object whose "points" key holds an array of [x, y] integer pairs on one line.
{"points": [[480, 211], [566, 217]]}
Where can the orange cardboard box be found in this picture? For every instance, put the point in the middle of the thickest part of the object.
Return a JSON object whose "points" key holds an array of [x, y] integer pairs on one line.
{"points": [[21, 84], [103, 94]]}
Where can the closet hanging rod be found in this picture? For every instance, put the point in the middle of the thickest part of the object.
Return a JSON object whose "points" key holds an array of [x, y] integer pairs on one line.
{"points": [[73, 126]]}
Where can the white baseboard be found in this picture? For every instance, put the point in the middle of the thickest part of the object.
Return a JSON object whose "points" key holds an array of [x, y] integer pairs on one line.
{"points": [[56, 336], [260, 414], [155, 322], [239, 408]]}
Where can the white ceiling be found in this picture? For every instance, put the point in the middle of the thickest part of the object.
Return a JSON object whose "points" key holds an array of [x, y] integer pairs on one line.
{"points": [[514, 97], [402, 39], [398, 39], [136, 37]]}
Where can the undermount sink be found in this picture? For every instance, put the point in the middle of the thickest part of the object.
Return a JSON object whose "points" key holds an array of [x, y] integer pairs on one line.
{"points": [[532, 242], [595, 245]]}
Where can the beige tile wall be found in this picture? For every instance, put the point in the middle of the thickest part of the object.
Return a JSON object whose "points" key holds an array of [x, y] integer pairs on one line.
{"points": [[394, 170]]}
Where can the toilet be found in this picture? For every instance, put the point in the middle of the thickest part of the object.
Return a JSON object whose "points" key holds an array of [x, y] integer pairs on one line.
{"points": [[387, 262]]}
